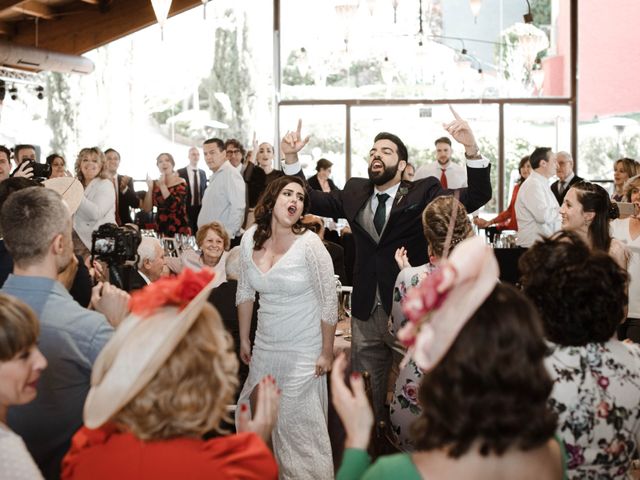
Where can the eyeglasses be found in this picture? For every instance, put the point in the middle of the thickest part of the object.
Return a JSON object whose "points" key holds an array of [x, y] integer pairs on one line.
{"points": [[233, 152]]}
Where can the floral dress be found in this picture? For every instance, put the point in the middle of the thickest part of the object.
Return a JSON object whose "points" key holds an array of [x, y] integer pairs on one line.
{"points": [[596, 395], [172, 211], [404, 409]]}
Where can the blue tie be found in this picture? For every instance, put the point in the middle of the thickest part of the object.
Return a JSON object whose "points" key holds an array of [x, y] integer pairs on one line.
{"points": [[381, 212]]}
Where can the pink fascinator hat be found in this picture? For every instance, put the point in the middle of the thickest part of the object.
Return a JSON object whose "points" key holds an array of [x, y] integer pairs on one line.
{"points": [[439, 307]]}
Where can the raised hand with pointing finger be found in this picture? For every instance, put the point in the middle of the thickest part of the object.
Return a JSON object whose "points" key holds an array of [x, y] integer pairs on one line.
{"points": [[460, 130], [293, 142]]}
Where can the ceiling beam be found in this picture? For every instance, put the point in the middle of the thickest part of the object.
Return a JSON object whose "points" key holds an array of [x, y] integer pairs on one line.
{"points": [[6, 28], [35, 9], [86, 30]]}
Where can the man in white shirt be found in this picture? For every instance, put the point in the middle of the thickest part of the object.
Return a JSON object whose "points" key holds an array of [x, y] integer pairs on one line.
{"points": [[566, 177], [451, 175], [224, 198], [235, 153], [196, 179], [537, 209]]}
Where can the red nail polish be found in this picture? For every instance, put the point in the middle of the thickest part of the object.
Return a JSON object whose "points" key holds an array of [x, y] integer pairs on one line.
{"points": [[243, 407], [356, 375]]}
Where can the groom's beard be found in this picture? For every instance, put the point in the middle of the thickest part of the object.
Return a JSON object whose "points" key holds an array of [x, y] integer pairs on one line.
{"points": [[382, 177]]}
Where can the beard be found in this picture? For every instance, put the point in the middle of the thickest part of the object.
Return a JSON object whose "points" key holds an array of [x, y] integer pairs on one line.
{"points": [[382, 177]]}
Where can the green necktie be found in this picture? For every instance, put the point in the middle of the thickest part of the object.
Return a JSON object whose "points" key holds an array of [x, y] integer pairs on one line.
{"points": [[381, 212]]}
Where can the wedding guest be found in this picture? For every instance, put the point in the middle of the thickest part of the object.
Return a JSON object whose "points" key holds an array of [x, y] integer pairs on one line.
{"points": [[169, 195], [485, 390], [21, 364], [213, 244], [436, 218], [627, 231], [99, 203], [506, 220], [58, 165], [588, 211], [581, 295], [163, 381], [322, 180], [623, 170]]}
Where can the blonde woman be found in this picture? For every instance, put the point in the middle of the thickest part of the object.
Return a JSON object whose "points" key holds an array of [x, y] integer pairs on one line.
{"points": [[162, 382], [98, 205]]}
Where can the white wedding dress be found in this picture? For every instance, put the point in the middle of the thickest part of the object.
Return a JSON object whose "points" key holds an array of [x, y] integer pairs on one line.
{"points": [[296, 294]]}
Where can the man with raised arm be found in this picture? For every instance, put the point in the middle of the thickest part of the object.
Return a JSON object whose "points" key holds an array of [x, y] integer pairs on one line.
{"points": [[384, 213]]}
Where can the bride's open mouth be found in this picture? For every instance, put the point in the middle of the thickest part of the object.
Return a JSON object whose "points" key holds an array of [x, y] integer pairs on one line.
{"points": [[292, 210]]}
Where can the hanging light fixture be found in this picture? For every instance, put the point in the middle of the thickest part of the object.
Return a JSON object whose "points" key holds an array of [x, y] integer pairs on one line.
{"points": [[475, 6], [161, 9], [204, 8], [394, 4]]}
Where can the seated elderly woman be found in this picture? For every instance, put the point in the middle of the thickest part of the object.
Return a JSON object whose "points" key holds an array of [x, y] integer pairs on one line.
{"points": [[485, 387], [21, 364], [581, 295], [213, 241], [163, 381], [404, 408]]}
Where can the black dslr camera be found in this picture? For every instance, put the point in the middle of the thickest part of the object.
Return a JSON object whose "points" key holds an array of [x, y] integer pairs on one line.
{"points": [[115, 245], [40, 170]]}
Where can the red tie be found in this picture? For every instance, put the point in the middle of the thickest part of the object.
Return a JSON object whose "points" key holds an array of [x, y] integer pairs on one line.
{"points": [[443, 178]]}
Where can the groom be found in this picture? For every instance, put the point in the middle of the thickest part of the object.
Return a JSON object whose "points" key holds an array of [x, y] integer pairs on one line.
{"points": [[384, 213]]}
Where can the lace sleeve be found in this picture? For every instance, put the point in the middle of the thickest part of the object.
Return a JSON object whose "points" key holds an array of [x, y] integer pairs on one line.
{"points": [[324, 284], [245, 293]]}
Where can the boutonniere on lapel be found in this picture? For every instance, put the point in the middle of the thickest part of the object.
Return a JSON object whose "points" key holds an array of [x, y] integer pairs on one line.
{"points": [[402, 191]]}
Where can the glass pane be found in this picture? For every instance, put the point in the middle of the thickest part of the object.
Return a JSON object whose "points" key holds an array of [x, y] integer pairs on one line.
{"points": [[418, 126], [423, 49], [527, 127], [326, 126]]}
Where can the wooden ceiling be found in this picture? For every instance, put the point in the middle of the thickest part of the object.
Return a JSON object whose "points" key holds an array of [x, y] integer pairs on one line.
{"points": [[77, 26]]}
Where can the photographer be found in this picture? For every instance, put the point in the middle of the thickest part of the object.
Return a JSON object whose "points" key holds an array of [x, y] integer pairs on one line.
{"points": [[27, 163]]}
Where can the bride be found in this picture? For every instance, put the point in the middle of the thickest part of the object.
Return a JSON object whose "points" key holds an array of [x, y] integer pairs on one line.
{"points": [[292, 272]]}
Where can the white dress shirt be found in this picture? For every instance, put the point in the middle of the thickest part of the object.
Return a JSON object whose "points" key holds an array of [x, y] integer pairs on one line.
{"points": [[456, 174], [392, 191], [537, 210], [224, 199]]}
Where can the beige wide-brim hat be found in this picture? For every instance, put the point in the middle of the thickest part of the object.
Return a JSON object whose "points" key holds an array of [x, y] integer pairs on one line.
{"points": [[477, 274], [140, 346], [69, 188]]}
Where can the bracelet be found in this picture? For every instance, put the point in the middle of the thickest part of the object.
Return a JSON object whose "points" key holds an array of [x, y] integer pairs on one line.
{"points": [[475, 156]]}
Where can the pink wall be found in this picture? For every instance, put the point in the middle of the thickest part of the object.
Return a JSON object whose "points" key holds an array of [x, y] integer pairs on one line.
{"points": [[608, 57]]}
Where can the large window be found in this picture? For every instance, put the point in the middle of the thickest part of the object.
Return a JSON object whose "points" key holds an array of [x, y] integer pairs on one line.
{"points": [[394, 66], [422, 49]]}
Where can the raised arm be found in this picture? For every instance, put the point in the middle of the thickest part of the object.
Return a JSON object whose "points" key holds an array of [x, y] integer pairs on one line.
{"points": [[478, 168]]}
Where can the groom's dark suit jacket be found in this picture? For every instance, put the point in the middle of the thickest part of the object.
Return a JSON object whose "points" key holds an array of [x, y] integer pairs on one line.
{"points": [[375, 263]]}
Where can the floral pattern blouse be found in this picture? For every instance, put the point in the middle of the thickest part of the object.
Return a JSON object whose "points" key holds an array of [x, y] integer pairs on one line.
{"points": [[172, 211], [404, 405], [597, 397]]}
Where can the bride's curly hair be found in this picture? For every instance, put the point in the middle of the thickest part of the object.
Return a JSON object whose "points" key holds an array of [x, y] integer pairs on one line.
{"points": [[264, 209]]}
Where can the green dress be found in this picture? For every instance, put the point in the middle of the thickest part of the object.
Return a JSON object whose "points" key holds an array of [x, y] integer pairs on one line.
{"points": [[356, 464]]}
